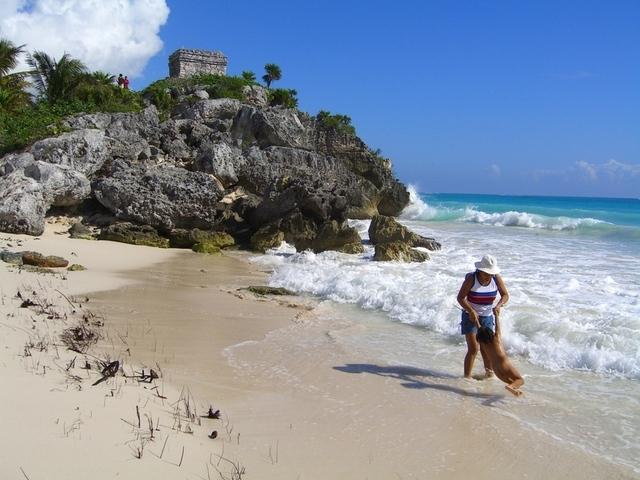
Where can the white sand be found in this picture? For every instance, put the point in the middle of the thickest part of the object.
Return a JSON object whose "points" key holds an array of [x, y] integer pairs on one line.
{"points": [[295, 405]]}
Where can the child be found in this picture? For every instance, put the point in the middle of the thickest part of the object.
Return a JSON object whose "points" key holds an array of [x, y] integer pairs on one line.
{"points": [[501, 365]]}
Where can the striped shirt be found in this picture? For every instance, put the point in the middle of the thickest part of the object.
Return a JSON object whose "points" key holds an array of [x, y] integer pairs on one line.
{"points": [[481, 297]]}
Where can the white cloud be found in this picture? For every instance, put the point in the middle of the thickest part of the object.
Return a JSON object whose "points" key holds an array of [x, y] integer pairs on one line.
{"points": [[117, 36], [495, 170], [617, 170], [612, 170], [588, 169]]}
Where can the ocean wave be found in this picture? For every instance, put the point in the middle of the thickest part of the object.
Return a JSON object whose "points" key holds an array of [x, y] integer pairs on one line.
{"points": [[567, 310], [419, 210]]}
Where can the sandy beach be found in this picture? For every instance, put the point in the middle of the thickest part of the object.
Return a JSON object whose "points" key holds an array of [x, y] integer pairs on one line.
{"points": [[294, 401]]}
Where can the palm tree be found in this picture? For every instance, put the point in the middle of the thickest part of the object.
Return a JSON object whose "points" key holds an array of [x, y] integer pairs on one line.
{"points": [[8, 56], [101, 78], [272, 74], [248, 76], [55, 80], [13, 94]]}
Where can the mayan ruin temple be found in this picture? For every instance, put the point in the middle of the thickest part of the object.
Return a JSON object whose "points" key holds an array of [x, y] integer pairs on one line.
{"points": [[187, 62]]}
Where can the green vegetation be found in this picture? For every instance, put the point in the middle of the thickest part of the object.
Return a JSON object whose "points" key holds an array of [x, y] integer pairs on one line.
{"points": [[285, 97], [64, 87], [336, 122], [13, 95], [55, 81], [249, 76], [272, 73], [163, 93]]}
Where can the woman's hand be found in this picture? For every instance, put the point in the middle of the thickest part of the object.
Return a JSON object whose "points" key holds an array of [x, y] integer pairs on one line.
{"points": [[496, 311], [473, 316]]}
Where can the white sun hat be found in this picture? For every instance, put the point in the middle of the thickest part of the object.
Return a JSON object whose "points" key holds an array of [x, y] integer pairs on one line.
{"points": [[488, 264]]}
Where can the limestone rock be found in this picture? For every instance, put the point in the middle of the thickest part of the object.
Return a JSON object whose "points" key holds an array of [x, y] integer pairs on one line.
{"points": [[80, 231], [220, 160], [384, 229], [83, 150], [164, 197], [61, 185], [76, 267], [183, 238], [266, 237], [266, 290], [38, 260], [256, 96], [203, 110], [398, 251], [11, 257], [134, 234], [333, 236], [22, 205]]}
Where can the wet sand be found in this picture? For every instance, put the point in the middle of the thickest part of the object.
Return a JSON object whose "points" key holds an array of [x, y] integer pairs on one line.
{"points": [[297, 405]]}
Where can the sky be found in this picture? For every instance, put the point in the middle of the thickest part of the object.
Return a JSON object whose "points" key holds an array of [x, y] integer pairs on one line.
{"points": [[506, 97]]}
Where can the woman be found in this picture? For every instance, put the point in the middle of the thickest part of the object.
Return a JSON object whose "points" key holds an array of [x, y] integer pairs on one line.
{"points": [[477, 297]]}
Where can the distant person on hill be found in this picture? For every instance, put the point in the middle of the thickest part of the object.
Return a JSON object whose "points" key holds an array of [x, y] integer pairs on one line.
{"points": [[477, 296], [120, 81], [502, 367], [125, 82]]}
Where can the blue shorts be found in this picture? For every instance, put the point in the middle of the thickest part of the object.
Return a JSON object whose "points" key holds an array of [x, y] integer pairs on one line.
{"points": [[467, 326]]}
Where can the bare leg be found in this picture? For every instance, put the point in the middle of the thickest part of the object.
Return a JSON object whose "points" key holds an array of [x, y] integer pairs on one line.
{"points": [[487, 361], [472, 351], [514, 387]]}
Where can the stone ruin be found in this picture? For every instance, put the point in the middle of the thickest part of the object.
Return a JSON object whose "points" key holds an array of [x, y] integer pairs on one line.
{"points": [[187, 62]]}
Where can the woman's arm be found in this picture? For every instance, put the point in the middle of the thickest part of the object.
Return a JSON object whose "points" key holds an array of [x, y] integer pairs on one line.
{"points": [[504, 298], [504, 293], [462, 299]]}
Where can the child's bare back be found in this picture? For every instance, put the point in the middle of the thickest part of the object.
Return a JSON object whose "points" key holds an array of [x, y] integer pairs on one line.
{"points": [[500, 363]]}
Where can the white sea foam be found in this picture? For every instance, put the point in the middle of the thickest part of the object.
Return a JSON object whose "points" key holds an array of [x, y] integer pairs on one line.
{"points": [[419, 210], [570, 309]]}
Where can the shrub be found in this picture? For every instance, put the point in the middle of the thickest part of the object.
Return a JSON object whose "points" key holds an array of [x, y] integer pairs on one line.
{"points": [[336, 122], [21, 128], [285, 97]]}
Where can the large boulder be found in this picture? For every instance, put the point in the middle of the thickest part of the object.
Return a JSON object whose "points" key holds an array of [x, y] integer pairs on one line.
{"points": [[220, 160], [384, 229], [164, 197], [183, 238], [272, 126], [399, 252], [61, 185], [84, 150], [334, 236], [22, 204], [15, 161], [38, 260], [256, 95], [134, 234], [206, 110], [269, 236], [28, 188]]}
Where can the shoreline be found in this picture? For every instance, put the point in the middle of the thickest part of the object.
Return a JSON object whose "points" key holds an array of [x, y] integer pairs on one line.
{"points": [[295, 402]]}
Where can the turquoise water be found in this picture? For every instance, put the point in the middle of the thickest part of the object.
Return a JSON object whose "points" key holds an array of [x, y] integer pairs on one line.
{"points": [[572, 325], [608, 218], [617, 211]]}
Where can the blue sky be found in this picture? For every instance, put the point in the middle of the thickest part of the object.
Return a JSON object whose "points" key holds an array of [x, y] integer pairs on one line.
{"points": [[508, 97]]}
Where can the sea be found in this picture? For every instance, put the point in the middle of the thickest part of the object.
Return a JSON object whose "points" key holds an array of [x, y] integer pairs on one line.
{"points": [[572, 326]]}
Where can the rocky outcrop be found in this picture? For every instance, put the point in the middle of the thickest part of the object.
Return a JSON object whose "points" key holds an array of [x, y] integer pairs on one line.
{"points": [[261, 174], [38, 260], [163, 197], [398, 252], [395, 242], [200, 241], [267, 237], [134, 234], [384, 229]]}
